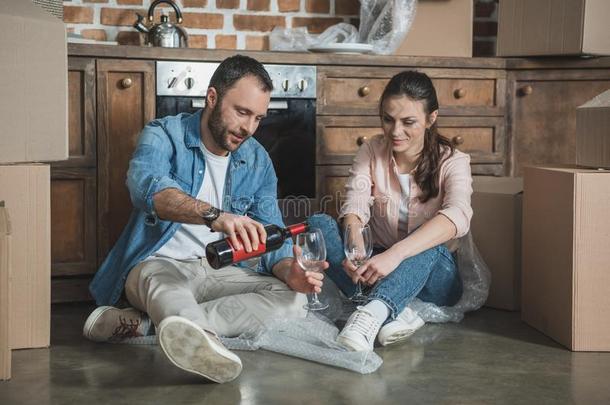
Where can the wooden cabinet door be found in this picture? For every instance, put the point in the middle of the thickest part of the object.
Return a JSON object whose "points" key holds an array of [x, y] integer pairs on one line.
{"points": [[543, 114], [74, 190], [126, 103]]}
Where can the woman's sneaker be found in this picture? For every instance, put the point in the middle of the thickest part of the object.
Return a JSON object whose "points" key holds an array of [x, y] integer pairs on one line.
{"points": [[192, 349], [405, 324], [110, 324], [359, 332]]}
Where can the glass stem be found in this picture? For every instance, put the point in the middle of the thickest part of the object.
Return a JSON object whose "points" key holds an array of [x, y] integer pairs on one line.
{"points": [[315, 297]]}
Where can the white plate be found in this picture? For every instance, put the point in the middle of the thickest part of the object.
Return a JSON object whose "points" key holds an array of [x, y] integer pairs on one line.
{"points": [[343, 48]]}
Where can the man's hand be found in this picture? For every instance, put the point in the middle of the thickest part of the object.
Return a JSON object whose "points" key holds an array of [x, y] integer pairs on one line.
{"points": [[298, 279], [251, 232]]}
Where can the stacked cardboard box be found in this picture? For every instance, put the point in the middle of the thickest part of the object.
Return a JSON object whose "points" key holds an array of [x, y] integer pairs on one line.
{"points": [[496, 230], [566, 282], [553, 27], [5, 289], [33, 112]]}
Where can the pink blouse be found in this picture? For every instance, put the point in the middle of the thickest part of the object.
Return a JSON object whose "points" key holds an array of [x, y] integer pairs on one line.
{"points": [[373, 193]]}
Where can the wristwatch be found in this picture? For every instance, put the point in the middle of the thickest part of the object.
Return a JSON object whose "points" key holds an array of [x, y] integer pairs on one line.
{"points": [[210, 215]]}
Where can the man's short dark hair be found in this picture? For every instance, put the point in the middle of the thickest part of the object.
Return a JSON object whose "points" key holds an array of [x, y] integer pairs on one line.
{"points": [[236, 67]]}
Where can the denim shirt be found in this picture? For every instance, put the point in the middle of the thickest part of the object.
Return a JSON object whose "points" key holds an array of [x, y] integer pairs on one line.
{"points": [[169, 155]]}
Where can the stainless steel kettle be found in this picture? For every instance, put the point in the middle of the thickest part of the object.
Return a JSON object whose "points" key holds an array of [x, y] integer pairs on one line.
{"points": [[165, 34]]}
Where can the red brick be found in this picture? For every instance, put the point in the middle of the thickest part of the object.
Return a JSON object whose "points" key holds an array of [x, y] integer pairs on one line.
{"points": [[485, 28], [120, 16], [484, 10], [203, 20], [129, 38], [317, 6], [288, 5], [194, 3], [227, 3], [97, 34], [198, 41], [257, 43], [315, 25], [261, 23], [259, 5], [226, 41], [347, 7], [484, 48], [129, 2], [81, 15]]}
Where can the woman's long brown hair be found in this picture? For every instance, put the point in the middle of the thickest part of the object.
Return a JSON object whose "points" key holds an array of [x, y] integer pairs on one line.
{"points": [[417, 86]]}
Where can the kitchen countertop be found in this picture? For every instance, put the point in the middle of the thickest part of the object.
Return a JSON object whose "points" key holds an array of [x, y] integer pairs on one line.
{"points": [[321, 59]]}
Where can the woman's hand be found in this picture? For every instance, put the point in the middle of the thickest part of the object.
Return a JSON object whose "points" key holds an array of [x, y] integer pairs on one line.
{"points": [[377, 267]]}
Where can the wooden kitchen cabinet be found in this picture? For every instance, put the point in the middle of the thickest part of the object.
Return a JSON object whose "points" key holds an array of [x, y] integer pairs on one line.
{"points": [[126, 103], [543, 113]]}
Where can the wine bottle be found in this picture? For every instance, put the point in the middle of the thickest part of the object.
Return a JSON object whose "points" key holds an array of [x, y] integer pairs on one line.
{"points": [[222, 253]]}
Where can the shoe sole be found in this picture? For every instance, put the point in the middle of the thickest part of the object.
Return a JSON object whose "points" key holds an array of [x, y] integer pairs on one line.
{"points": [[191, 349], [400, 336], [91, 320], [351, 345]]}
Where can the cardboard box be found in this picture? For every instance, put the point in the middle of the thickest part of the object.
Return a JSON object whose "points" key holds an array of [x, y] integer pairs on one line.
{"points": [[496, 230], [26, 192], [553, 27], [440, 28], [34, 83], [5, 288], [593, 132], [566, 260]]}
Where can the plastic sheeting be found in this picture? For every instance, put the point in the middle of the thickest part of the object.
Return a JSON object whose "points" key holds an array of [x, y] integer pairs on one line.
{"points": [[313, 338], [384, 24]]}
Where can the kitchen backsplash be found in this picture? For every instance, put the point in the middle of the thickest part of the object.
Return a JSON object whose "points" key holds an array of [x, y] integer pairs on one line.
{"points": [[241, 24]]}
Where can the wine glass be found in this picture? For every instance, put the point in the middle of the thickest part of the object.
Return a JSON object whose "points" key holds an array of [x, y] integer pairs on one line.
{"points": [[311, 258], [358, 247]]}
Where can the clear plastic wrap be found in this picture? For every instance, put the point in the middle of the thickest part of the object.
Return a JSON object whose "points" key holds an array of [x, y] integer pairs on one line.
{"points": [[385, 23]]}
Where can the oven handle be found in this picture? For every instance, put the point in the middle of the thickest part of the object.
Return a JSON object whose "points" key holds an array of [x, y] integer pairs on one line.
{"points": [[273, 104]]}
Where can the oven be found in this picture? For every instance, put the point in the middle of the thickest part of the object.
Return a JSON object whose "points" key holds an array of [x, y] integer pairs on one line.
{"points": [[288, 132]]}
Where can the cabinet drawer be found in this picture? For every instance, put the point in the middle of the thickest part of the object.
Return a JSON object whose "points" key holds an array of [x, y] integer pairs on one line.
{"points": [[482, 137], [459, 92]]}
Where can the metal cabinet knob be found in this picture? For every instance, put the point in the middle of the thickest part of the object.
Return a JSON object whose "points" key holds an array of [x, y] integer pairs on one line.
{"points": [[526, 90], [457, 140], [126, 83], [459, 93], [361, 140], [364, 91]]}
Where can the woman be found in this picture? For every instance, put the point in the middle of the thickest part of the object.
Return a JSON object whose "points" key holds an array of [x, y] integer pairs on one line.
{"points": [[413, 189]]}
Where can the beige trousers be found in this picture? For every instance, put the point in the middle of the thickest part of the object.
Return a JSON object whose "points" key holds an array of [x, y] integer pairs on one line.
{"points": [[228, 301]]}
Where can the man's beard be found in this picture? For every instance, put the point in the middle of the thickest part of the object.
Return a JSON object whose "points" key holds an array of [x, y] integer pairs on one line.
{"points": [[219, 131]]}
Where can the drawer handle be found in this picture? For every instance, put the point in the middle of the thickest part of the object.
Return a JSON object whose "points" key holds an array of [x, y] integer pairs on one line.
{"points": [[459, 93], [526, 90], [126, 83], [457, 140], [364, 91], [361, 140]]}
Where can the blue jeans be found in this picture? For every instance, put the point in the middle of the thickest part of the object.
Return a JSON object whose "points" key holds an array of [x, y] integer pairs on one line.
{"points": [[431, 276]]}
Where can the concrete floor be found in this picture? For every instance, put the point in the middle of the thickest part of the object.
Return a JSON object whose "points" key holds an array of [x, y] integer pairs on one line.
{"points": [[491, 357]]}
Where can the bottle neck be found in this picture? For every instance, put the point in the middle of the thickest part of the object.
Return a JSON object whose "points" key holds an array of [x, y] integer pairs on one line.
{"points": [[293, 230]]}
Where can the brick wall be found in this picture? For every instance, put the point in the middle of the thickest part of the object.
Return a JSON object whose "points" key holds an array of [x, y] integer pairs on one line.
{"points": [[240, 24]]}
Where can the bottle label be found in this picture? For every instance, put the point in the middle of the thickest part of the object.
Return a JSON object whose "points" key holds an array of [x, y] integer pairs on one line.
{"points": [[241, 254]]}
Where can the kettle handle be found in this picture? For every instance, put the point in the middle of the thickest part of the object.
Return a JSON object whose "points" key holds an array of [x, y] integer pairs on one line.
{"points": [[151, 10]]}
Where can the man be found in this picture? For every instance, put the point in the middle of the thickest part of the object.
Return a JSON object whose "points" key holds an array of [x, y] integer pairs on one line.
{"points": [[192, 180]]}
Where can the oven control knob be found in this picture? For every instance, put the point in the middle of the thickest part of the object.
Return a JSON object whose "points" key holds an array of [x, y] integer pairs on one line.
{"points": [[189, 82], [172, 82], [302, 85], [285, 85]]}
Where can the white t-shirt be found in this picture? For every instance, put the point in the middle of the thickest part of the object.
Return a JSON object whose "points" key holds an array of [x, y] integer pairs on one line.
{"points": [[403, 212], [190, 240]]}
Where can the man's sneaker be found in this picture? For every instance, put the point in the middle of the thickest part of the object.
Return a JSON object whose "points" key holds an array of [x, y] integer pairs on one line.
{"points": [[110, 324], [197, 351], [359, 332], [405, 324]]}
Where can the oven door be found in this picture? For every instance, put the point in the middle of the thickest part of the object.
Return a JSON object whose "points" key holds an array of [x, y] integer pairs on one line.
{"points": [[288, 134]]}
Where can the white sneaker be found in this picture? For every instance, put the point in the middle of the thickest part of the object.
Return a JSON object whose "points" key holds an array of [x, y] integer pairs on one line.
{"points": [[197, 351], [405, 324], [359, 332], [110, 324]]}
